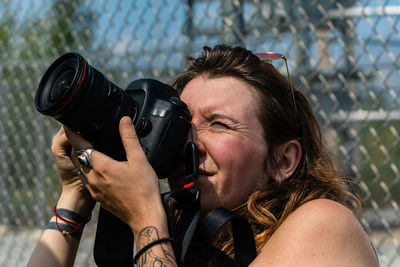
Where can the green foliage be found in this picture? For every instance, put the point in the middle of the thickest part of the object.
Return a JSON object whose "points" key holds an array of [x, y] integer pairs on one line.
{"points": [[70, 26], [375, 155], [66, 25], [380, 170], [6, 28]]}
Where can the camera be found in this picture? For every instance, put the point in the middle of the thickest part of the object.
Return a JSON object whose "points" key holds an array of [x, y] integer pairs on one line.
{"points": [[82, 98]]}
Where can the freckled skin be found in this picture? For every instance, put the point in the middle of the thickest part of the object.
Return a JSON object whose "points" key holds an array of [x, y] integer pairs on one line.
{"points": [[229, 137]]}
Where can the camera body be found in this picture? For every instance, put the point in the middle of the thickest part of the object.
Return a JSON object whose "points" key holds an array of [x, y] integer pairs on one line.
{"points": [[80, 97], [162, 123]]}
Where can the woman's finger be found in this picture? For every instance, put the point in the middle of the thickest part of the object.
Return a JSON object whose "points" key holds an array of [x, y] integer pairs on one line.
{"points": [[85, 182], [60, 144], [130, 140], [77, 141], [79, 144]]}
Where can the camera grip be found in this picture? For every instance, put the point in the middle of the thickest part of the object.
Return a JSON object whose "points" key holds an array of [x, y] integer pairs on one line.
{"points": [[114, 241]]}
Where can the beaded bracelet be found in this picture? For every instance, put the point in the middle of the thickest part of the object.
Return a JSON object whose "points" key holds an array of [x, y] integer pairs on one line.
{"points": [[149, 245]]}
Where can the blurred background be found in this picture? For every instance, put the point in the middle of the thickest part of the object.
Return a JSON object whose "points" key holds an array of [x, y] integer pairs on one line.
{"points": [[342, 54]]}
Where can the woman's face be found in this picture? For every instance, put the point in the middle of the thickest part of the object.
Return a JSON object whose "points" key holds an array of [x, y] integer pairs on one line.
{"points": [[230, 140]]}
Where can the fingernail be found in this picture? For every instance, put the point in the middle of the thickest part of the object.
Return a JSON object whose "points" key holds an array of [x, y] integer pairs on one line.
{"points": [[127, 121]]}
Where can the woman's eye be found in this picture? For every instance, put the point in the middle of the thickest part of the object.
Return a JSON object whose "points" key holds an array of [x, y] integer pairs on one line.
{"points": [[219, 124]]}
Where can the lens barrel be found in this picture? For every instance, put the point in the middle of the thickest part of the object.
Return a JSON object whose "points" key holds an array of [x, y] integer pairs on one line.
{"points": [[59, 84], [80, 97]]}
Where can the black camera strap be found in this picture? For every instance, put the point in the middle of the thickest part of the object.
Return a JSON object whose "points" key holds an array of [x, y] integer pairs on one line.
{"points": [[183, 233], [207, 229], [187, 201], [243, 239]]}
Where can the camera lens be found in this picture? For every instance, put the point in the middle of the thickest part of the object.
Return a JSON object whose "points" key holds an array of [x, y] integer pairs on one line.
{"points": [[59, 85], [62, 84], [80, 97]]}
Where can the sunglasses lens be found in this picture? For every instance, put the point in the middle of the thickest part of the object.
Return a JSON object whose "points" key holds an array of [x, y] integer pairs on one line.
{"points": [[270, 56]]}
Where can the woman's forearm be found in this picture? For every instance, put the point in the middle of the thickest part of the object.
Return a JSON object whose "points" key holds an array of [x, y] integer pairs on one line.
{"points": [[54, 249], [153, 243], [154, 248], [59, 243]]}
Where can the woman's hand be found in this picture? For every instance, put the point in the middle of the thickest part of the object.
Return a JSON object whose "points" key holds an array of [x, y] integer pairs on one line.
{"points": [[128, 189], [55, 248], [61, 150], [74, 195]]}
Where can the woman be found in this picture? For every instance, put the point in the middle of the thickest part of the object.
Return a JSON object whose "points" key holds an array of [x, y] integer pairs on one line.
{"points": [[261, 155]]}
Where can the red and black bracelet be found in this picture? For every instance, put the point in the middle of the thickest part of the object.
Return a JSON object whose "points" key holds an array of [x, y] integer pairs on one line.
{"points": [[74, 222], [65, 229]]}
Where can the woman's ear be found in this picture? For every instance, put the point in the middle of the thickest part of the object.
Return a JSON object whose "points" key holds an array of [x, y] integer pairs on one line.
{"points": [[290, 154]]}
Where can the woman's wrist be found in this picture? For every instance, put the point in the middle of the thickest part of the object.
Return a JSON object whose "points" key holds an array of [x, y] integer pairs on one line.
{"points": [[79, 202], [68, 222], [152, 215], [67, 228], [148, 239], [154, 246]]}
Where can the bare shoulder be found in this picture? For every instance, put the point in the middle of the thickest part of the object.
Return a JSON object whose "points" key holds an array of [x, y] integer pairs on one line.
{"points": [[323, 213], [319, 233]]}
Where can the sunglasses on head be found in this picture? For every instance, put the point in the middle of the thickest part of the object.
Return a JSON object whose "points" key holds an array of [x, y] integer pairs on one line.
{"points": [[269, 56]]}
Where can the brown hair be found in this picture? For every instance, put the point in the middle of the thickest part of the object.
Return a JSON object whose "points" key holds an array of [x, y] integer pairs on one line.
{"points": [[314, 178]]}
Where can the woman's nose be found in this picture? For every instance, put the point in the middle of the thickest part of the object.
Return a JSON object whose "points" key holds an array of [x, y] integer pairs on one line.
{"points": [[194, 137]]}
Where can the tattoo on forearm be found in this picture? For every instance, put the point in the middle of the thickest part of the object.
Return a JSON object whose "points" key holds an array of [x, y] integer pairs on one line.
{"points": [[155, 256]]}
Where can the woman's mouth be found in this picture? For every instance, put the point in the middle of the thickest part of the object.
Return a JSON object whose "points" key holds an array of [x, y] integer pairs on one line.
{"points": [[205, 173]]}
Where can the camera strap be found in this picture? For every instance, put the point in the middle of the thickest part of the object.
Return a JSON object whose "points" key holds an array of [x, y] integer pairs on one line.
{"points": [[243, 239], [187, 202]]}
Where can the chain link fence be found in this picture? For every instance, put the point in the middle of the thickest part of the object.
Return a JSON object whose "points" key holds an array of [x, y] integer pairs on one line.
{"points": [[342, 54]]}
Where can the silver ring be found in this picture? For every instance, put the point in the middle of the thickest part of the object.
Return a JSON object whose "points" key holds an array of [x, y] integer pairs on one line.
{"points": [[85, 157]]}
